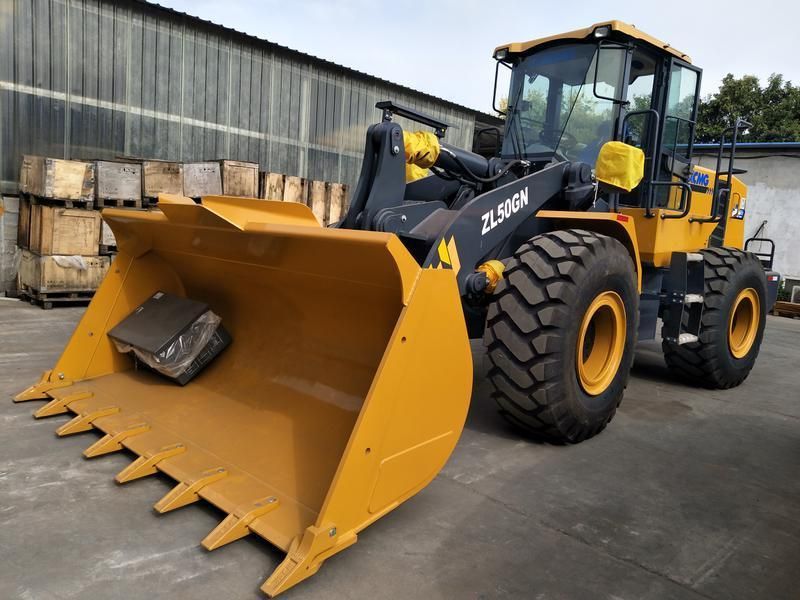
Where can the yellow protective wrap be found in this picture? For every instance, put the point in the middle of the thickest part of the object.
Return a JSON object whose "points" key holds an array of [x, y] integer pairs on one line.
{"points": [[422, 150], [620, 166]]}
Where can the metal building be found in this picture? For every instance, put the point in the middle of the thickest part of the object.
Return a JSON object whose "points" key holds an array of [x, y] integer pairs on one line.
{"points": [[103, 79]]}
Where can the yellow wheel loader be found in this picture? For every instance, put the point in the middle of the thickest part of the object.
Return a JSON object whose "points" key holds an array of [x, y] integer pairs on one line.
{"points": [[347, 381]]}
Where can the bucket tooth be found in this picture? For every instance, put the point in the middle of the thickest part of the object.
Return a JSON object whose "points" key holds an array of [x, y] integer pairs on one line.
{"points": [[58, 405], [112, 442], [40, 390], [306, 555], [147, 465], [83, 422], [235, 525], [186, 493]]}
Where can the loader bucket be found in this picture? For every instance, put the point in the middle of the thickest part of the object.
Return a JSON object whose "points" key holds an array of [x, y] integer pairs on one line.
{"points": [[342, 394]]}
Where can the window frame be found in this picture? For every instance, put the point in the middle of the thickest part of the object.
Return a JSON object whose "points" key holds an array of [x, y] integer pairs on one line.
{"points": [[664, 102]]}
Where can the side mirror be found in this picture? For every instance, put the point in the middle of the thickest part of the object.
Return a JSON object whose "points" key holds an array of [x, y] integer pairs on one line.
{"points": [[487, 150], [619, 167], [494, 92]]}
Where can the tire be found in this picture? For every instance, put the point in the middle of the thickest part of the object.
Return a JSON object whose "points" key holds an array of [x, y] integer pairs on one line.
{"points": [[534, 324], [711, 361]]}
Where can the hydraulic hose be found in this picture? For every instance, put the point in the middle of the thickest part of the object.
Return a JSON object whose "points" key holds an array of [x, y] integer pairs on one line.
{"points": [[473, 166]]}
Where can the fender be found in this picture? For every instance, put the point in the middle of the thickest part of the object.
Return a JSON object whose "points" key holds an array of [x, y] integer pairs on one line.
{"points": [[616, 225]]}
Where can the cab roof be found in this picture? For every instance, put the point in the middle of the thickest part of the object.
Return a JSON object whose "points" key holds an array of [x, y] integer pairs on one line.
{"points": [[580, 34]]}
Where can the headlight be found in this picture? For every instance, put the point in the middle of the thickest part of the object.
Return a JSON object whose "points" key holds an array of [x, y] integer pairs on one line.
{"points": [[603, 31]]}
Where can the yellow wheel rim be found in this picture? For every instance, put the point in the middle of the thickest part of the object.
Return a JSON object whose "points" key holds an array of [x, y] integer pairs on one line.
{"points": [[601, 343], [743, 322]]}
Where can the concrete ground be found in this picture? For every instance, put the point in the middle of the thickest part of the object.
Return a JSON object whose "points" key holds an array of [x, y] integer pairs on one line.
{"points": [[689, 494]]}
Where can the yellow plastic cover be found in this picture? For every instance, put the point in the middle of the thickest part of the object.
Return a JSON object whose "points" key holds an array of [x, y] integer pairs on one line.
{"points": [[422, 150], [620, 166]]}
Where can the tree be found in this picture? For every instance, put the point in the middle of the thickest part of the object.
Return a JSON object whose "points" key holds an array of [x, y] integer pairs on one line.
{"points": [[774, 110]]}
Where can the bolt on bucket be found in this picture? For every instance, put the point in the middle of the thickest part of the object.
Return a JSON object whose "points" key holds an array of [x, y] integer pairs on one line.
{"points": [[343, 393]]}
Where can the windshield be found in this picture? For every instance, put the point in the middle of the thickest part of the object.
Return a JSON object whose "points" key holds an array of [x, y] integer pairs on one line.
{"points": [[554, 110]]}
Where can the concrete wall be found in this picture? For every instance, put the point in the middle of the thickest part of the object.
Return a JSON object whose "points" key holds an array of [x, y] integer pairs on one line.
{"points": [[773, 196]]}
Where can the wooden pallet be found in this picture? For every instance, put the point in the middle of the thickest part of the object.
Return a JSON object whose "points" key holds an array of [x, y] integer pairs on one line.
{"points": [[47, 299], [62, 202], [786, 309], [118, 203]]}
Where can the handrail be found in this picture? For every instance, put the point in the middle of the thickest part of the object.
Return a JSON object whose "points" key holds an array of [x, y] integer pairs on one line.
{"points": [[686, 198], [653, 132], [719, 190], [769, 255]]}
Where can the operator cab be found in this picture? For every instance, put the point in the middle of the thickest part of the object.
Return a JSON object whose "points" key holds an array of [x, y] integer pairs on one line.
{"points": [[572, 93]]}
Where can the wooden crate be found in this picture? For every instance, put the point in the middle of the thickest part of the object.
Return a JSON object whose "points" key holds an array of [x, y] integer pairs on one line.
{"points": [[201, 179], [328, 201], [56, 179], [118, 184], [24, 224], [161, 177], [239, 178], [57, 274], [337, 203], [271, 186], [108, 243], [58, 230], [295, 189], [317, 200]]}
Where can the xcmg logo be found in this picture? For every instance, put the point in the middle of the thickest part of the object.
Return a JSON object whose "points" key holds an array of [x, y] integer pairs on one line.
{"points": [[698, 178]]}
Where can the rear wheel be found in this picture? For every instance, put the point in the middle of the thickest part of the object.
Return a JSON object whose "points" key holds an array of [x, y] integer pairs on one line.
{"points": [[560, 334], [732, 326]]}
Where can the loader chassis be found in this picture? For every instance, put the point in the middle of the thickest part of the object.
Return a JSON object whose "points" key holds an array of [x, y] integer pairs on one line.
{"points": [[474, 210]]}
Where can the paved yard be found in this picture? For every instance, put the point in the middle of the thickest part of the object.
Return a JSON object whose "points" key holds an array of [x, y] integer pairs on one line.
{"points": [[689, 494]]}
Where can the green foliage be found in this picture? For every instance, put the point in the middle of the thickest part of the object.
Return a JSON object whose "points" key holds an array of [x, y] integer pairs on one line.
{"points": [[783, 294], [590, 118], [774, 110]]}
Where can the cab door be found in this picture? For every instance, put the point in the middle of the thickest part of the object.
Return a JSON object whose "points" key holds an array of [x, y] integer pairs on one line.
{"points": [[676, 140]]}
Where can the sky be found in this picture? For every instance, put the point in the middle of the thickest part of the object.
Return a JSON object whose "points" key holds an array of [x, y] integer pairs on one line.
{"points": [[444, 47]]}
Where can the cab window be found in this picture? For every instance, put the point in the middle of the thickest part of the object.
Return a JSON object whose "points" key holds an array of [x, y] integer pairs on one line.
{"points": [[679, 116], [641, 82]]}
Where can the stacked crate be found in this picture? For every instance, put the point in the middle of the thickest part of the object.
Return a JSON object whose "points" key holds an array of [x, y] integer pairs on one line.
{"points": [[327, 200], [160, 177], [118, 185], [220, 177], [66, 247], [58, 231]]}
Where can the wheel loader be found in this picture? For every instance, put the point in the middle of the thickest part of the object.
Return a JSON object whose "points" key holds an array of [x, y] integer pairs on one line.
{"points": [[347, 382]]}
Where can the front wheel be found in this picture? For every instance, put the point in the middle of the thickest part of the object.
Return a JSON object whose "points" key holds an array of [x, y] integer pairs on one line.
{"points": [[560, 334]]}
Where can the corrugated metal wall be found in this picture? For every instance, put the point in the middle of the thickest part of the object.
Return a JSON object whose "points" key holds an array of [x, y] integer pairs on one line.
{"points": [[100, 79]]}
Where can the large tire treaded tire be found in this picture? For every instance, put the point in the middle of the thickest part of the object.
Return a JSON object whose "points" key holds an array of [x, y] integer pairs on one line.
{"points": [[709, 362], [532, 332]]}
